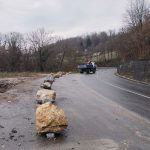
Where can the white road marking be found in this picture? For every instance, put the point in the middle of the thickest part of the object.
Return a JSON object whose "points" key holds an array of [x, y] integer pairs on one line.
{"points": [[126, 90]]}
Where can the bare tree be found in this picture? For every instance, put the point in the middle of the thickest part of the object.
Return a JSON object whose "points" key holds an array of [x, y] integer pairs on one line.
{"points": [[2, 40], [38, 40], [14, 48], [136, 13]]}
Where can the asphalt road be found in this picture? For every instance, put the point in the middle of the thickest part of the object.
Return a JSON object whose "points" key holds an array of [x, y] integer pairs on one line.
{"points": [[129, 94], [105, 112]]}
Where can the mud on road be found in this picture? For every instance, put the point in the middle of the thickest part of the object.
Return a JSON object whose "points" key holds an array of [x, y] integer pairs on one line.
{"points": [[95, 121]]}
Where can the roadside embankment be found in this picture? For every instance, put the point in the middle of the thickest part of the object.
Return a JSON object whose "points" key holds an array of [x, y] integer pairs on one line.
{"points": [[136, 70], [9, 80]]}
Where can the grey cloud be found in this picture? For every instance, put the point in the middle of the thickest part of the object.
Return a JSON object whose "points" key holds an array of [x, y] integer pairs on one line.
{"points": [[65, 17]]}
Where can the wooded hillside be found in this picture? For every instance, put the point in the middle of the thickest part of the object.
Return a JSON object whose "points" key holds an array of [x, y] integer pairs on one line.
{"points": [[39, 51]]}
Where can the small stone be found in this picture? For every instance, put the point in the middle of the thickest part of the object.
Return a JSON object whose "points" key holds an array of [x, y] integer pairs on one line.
{"points": [[19, 144], [11, 136], [50, 135], [27, 118], [78, 142], [9, 101], [31, 140], [2, 138], [2, 146], [1, 126], [14, 130], [21, 136]]}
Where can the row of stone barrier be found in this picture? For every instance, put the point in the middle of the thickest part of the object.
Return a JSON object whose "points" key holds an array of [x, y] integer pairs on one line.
{"points": [[50, 119]]}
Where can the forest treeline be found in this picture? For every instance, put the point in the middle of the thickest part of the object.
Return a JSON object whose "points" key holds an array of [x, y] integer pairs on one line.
{"points": [[40, 51]]}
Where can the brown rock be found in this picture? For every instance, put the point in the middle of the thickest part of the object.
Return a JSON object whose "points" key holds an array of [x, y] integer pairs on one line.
{"points": [[58, 74], [49, 79], [44, 95], [46, 85], [64, 73], [50, 118]]}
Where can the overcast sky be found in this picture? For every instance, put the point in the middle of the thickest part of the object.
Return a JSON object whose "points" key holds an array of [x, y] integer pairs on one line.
{"points": [[64, 17]]}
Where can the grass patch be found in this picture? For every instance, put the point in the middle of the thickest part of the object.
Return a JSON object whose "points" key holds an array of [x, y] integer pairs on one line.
{"points": [[130, 76], [17, 74]]}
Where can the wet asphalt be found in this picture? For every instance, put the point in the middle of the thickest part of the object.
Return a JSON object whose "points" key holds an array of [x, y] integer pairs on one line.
{"points": [[105, 112]]}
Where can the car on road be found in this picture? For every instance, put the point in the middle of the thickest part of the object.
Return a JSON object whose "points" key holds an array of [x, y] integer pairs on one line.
{"points": [[88, 68]]}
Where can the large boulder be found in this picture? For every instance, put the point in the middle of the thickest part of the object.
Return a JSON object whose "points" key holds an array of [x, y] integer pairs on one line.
{"points": [[50, 119], [58, 74], [64, 73], [44, 95], [46, 85], [49, 79]]}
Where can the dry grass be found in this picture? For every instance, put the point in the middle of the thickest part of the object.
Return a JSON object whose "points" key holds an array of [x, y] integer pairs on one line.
{"points": [[18, 74], [147, 81], [130, 76]]}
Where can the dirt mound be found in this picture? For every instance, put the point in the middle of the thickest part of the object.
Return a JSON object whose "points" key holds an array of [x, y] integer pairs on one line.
{"points": [[4, 85], [7, 83]]}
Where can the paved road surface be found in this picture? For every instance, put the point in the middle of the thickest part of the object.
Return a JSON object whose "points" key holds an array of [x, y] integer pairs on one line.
{"points": [[105, 113]]}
